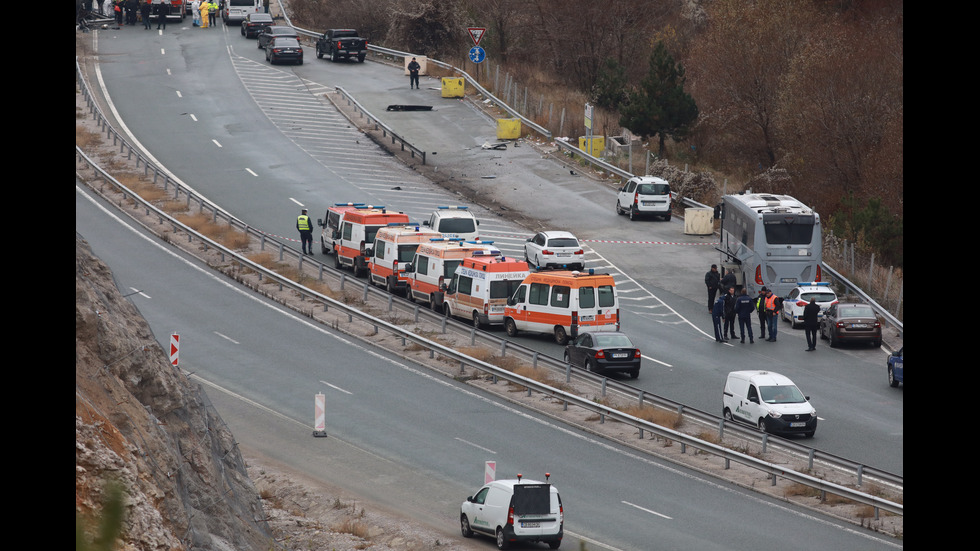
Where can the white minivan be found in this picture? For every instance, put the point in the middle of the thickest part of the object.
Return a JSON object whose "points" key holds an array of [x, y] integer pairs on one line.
{"points": [[768, 401], [514, 510], [644, 196]]}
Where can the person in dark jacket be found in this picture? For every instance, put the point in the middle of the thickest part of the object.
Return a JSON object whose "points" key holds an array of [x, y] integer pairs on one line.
{"points": [[717, 315], [744, 306], [145, 9], [711, 280], [162, 9], [760, 307], [413, 74], [729, 328], [811, 322]]}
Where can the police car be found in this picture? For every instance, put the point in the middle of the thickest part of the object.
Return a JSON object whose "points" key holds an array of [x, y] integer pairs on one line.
{"points": [[800, 296]]}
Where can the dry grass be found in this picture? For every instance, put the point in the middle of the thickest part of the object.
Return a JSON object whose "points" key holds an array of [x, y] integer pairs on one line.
{"points": [[657, 416], [352, 526], [86, 140]]}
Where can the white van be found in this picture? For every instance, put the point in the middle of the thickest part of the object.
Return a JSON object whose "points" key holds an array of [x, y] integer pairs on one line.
{"points": [[644, 195], [455, 222], [514, 511], [768, 401], [481, 286], [235, 11]]}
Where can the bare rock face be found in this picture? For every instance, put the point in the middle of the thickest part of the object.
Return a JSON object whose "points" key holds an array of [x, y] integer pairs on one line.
{"points": [[139, 421]]}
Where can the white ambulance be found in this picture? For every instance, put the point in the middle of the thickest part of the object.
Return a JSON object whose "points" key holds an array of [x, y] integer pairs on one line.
{"points": [[331, 222], [455, 221], [435, 263], [355, 235], [563, 303], [394, 248], [481, 286]]}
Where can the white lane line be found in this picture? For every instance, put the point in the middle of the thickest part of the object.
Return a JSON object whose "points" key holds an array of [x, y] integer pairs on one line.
{"points": [[226, 337], [335, 387], [467, 442], [644, 509]]}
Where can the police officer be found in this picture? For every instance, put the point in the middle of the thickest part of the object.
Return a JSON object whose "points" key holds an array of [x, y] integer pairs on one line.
{"points": [[305, 227], [744, 305], [711, 280], [717, 315], [811, 322]]}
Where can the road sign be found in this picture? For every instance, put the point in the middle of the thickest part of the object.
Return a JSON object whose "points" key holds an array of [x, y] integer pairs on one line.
{"points": [[174, 348], [477, 54], [319, 414], [476, 33], [489, 471]]}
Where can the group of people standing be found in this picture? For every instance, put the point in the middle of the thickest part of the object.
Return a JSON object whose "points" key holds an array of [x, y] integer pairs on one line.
{"points": [[126, 12], [767, 305], [205, 13]]}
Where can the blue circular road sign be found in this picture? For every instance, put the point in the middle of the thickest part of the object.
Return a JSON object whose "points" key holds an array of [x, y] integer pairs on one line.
{"points": [[477, 54]]}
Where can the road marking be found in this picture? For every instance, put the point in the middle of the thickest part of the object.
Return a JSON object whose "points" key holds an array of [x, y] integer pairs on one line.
{"points": [[335, 387], [250, 171], [467, 442], [226, 337], [216, 143], [644, 509]]}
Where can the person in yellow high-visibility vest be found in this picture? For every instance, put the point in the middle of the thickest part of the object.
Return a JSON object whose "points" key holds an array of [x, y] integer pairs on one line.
{"points": [[305, 227]]}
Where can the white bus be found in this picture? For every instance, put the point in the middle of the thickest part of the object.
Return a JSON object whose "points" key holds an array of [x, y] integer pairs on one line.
{"points": [[771, 241]]}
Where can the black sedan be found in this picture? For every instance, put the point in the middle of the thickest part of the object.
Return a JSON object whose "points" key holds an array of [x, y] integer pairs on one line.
{"points": [[267, 34], [284, 48], [604, 351], [254, 23], [850, 322]]}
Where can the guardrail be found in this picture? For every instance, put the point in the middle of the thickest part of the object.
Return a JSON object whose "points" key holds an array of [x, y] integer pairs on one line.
{"points": [[369, 291], [381, 126]]}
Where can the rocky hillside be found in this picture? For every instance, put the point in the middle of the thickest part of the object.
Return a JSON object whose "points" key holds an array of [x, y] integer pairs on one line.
{"points": [[141, 422]]}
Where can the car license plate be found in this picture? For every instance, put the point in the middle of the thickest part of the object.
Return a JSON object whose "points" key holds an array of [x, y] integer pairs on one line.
{"points": [[564, 254], [859, 326], [797, 424], [530, 524], [586, 318], [620, 355]]}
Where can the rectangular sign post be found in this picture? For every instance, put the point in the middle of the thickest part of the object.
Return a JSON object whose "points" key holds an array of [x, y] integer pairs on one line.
{"points": [[174, 349], [489, 471], [319, 415]]}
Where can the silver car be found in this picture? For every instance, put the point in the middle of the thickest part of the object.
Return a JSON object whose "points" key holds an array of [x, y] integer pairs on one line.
{"points": [[554, 249]]}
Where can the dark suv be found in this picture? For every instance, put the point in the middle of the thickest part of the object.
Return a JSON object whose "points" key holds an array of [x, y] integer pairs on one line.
{"points": [[255, 23], [850, 322]]}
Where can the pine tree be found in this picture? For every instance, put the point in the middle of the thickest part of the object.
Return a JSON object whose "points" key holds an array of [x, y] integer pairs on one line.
{"points": [[660, 106]]}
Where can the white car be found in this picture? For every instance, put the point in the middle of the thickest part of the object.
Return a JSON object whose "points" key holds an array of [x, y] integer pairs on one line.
{"points": [[644, 196], [554, 249], [454, 222], [799, 297]]}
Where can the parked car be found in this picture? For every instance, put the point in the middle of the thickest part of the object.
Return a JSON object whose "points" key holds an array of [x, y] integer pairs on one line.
{"points": [[644, 196], [896, 367], [254, 23], [800, 296], [604, 351], [554, 249], [267, 34], [850, 322], [284, 48]]}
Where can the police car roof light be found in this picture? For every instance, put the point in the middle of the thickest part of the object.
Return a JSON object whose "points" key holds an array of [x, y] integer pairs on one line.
{"points": [[815, 284], [476, 242]]}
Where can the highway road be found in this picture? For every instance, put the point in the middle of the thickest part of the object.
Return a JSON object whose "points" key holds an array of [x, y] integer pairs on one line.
{"points": [[419, 450], [261, 141]]}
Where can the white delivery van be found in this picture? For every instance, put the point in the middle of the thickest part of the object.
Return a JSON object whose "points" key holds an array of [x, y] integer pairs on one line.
{"points": [[514, 510], [768, 401]]}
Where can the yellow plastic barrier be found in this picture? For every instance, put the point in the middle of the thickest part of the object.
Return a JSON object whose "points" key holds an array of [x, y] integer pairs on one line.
{"points": [[452, 87], [595, 148], [508, 129]]}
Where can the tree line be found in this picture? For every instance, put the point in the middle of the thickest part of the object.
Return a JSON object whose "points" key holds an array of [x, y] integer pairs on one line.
{"points": [[810, 88]]}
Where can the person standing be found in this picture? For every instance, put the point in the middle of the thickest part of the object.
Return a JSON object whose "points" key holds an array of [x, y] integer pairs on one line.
{"points": [[204, 15], [413, 74], [727, 280], [305, 227], [760, 308], [729, 327], [773, 305], [711, 280], [196, 12], [145, 9], [213, 11], [118, 10], [811, 322], [162, 9], [744, 305], [717, 315]]}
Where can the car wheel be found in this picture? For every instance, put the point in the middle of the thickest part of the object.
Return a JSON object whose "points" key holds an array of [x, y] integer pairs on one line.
{"points": [[360, 58], [323, 247], [833, 340], [554, 544], [336, 261], [809, 434], [319, 54], [634, 373], [619, 209], [510, 327], [892, 381], [667, 218], [390, 285], [501, 541], [823, 335], [633, 214], [762, 424], [409, 295], [561, 337], [727, 414], [568, 360], [464, 527], [476, 320]]}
